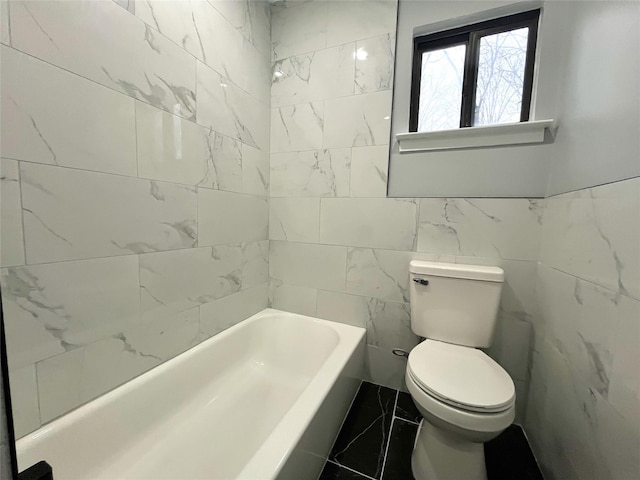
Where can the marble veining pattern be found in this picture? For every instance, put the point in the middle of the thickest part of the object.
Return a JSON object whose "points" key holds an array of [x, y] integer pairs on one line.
{"points": [[11, 235], [137, 61]]}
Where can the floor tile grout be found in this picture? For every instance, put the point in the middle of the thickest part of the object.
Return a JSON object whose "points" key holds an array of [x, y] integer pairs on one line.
{"points": [[350, 469], [386, 450]]}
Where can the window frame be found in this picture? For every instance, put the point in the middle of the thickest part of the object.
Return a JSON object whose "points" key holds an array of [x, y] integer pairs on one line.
{"points": [[470, 36]]}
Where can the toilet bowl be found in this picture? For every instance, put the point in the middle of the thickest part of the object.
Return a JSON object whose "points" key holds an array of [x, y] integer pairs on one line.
{"points": [[465, 399]]}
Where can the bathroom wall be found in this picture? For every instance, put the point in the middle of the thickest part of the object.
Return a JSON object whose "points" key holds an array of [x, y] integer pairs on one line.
{"points": [[339, 249], [135, 166], [583, 416]]}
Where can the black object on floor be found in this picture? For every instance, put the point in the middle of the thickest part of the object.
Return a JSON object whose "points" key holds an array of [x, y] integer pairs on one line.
{"points": [[40, 471], [376, 441], [362, 441]]}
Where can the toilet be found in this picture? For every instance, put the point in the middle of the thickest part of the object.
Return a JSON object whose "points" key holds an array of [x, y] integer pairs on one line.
{"points": [[464, 397]]}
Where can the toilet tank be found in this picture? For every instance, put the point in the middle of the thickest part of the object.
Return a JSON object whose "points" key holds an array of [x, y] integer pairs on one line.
{"points": [[455, 303]]}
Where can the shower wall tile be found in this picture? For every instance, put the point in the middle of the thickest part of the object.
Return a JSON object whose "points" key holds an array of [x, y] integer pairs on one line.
{"points": [[183, 279], [49, 116], [369, 171], [292, 298], [5, 32], [372, 222], [349, 21], [229, 110], [56, 307], [221, 314], [225, 217], [315, 173], [374, 63], [24, 387], [256, 76], [494, 228], [78, 36], [358, 120], [255, 263], [129, 5], [200, 29], [11, 237], [172, 149], [297, 127], [308, 265], [298, 29], [314, 76], [294, 219], [255, 171], [72, 214], [594, 234]]}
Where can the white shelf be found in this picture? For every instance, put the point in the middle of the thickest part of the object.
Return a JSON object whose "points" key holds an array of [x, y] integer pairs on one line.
{"points": [[470, 137]]}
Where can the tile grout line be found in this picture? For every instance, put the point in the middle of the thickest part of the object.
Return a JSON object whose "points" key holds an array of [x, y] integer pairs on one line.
{"points": [[350, 469], [386, 451]]}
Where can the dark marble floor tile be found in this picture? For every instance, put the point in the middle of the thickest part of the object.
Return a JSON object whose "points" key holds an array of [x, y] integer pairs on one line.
{"points": [[362, 441], [509, 456], [331, 471], [398, 463], [406, 408]]}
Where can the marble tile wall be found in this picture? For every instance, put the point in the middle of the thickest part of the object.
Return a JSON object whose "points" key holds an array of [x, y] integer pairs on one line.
{"points": [[339, 249], [134, 187], [583, 414]]}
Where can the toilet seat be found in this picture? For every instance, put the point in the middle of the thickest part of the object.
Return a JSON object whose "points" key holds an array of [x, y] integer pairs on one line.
{"points": [[462, 377]]}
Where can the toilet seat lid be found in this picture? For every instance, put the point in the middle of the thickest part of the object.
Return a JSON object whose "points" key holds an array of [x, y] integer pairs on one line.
{"points": [[464, 377]]}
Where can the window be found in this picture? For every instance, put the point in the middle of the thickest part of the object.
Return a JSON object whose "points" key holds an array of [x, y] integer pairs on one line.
{"points": [[481, 74]]}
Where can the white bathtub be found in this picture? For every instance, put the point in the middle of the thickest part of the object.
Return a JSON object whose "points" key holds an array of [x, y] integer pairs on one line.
{"points": [[261, 400]]}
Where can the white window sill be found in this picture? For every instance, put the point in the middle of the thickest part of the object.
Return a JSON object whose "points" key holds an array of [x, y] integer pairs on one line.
{"points": [[470, 137]]}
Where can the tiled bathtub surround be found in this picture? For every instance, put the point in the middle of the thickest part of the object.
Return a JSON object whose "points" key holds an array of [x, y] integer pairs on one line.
{"points": [[135, 176], [340, 250], [583, 415]]}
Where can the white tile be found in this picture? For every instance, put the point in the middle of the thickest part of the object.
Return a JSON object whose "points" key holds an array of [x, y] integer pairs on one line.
{"points": [[372, 222], [300, 29], [297, 127], [384, 368], [200, 29], [129, 5], [5, 31], [580, 320], [72, 214], [512, 346], [358, 120], [308, 265], [294, 219], [173, 149], [374, 63], [255, 171], [388, 324], [78, 36], [382, 274], [237, 14], [226, 168], [369, 171], [225, 217], [230, 110], [624, 388], [314, 76], [594, 234], [226, 312], [182, 279], [57, 306], [260, 25], [24, 400], [485, 227], [292, 298], [316, 173], [164, 336], [256, 71], [66, 381], [11, 238], [354, 20], [255, 263], [518, 300], [54, 117]]}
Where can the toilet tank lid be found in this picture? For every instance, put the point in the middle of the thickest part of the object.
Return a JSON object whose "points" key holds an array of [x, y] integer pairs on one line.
{"points": [[457, 270]]}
